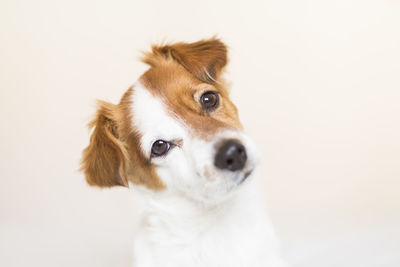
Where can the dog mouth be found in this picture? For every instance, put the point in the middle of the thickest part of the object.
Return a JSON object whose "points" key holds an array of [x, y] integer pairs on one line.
{"points": [[245, 176]]}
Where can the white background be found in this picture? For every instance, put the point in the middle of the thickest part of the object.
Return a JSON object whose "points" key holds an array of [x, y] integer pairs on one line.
{"points": [[317, 84]]}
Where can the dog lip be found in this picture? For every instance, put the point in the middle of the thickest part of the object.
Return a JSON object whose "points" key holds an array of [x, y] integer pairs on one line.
{"points": [[247, 174]]}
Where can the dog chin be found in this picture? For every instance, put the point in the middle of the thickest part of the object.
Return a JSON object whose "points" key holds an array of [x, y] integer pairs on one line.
{"points": [[227, 191]]}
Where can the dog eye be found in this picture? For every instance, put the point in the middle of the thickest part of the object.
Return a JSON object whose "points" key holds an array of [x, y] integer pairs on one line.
{"points": [[209, 101], [159, 148]]}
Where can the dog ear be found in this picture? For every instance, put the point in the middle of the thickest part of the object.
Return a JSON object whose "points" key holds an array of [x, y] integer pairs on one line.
{"points": [[204, 59], [104, 160]]}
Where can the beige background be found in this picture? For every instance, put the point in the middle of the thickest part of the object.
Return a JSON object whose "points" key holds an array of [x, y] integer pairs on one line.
{"points": [[317, 84]]}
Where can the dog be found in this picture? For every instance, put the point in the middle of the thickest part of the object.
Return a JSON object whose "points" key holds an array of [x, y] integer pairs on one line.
{"points": [[176, 138]]}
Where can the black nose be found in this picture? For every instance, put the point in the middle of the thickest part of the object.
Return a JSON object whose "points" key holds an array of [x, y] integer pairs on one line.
{"points": [[231, 156]]}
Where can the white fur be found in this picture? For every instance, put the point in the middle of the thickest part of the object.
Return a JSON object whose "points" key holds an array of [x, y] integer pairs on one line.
{"points": [[205, 217]]}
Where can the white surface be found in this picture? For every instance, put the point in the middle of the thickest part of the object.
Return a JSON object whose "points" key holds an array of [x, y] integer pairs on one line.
{"points": [[363, 245], [84, 242], [317, 86]]}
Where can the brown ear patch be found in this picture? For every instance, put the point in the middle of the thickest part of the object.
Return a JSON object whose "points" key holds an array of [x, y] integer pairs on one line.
{"points": [[205, 59], [104, 160]]}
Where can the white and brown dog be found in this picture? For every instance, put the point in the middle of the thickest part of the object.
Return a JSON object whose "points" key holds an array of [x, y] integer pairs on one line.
{"points": [[176, 137]]}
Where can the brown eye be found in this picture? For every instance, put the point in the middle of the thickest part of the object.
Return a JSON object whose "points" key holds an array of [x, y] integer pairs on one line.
{"points": [[159, 148], [209, 101]]}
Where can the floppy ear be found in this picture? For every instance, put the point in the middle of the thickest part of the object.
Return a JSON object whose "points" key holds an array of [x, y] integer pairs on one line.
{"points": [[104, 160], [204, 59]]}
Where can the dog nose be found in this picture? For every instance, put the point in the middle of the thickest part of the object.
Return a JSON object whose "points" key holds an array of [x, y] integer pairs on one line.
{"points": [[231, 156]]}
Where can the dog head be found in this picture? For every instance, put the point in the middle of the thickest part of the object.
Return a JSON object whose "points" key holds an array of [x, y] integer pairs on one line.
{"points": [[175, 130]]}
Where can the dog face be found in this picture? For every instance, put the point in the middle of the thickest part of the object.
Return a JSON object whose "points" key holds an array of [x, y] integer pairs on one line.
{"points": [[175, 130]]}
